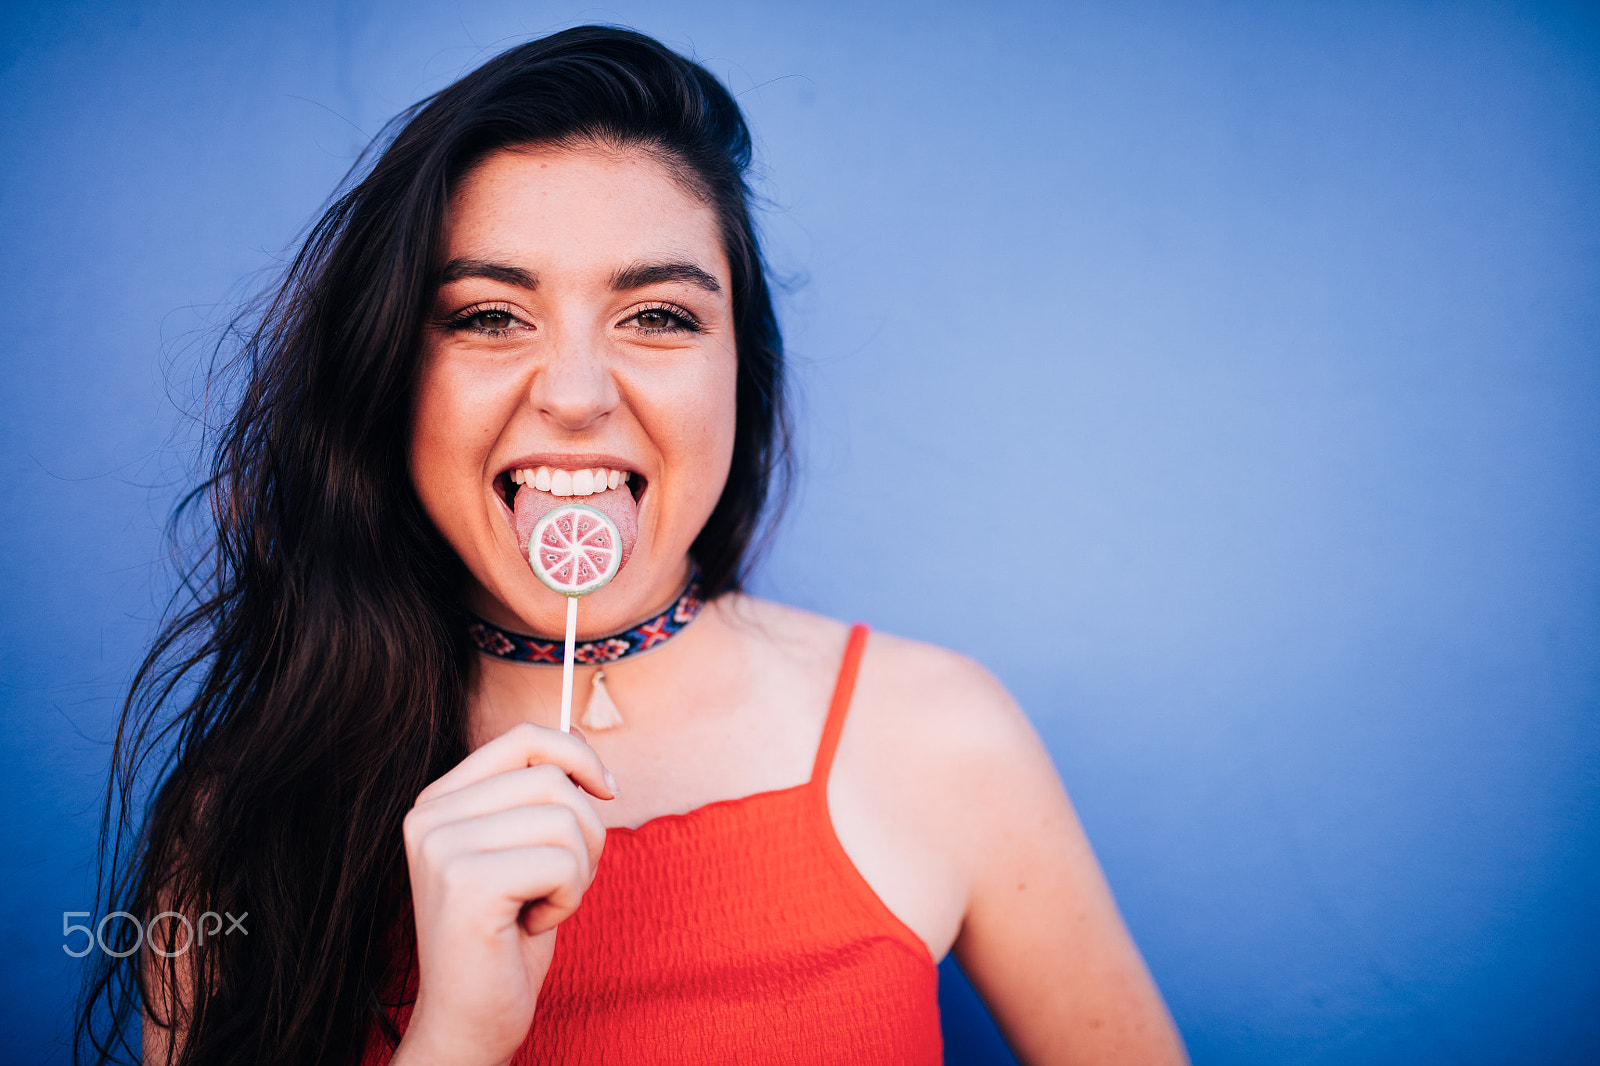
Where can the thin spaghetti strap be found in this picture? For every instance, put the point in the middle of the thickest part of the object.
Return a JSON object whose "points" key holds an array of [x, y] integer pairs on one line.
{"points": [[842, 690]]}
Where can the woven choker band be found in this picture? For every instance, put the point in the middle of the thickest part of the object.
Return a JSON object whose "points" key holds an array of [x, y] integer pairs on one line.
{"points": [[504, 644]]}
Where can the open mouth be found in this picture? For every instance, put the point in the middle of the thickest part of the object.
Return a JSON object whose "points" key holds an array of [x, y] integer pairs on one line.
{"points": [[530, 493], [586, 481]]}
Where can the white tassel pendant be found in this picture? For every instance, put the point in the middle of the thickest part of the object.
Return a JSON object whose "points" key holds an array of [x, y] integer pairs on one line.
{"points": [[601, 712]]}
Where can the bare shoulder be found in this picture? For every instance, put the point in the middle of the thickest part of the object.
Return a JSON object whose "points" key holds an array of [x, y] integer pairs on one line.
{"points": [[951, 727], [945, 697], [934, 707], [941, 741], [949, 697]]}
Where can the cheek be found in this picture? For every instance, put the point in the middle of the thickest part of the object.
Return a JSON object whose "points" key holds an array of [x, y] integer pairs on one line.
{"points": [[728, 420], [690, 415], [718, 418], [451, 433]]}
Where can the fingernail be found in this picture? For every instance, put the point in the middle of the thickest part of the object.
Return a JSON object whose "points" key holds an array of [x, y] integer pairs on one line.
{"points": [[611, 783]]}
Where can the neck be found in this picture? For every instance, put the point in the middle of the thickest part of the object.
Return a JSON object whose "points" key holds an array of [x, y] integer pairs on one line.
{"points": [[652, 687]]}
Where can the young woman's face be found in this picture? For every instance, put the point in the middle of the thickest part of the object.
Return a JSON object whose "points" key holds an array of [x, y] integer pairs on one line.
{"points": [[584, 324]]}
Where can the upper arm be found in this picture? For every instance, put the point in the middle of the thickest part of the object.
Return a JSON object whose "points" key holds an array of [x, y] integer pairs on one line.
{"points": [[1041, 940]]}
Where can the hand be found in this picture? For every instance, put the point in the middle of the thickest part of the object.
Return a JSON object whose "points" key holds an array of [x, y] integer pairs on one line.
{"points": [[500, 851]]}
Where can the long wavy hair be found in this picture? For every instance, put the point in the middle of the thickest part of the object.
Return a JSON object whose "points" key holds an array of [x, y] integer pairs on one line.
{"points": [[311, 679]]}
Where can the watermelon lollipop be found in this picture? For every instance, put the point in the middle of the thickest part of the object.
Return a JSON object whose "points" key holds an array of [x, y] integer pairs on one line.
{"points": [[574, 550]]}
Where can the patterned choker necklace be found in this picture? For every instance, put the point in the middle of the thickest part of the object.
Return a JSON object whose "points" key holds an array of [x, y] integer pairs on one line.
{"points": [[518, 647]]}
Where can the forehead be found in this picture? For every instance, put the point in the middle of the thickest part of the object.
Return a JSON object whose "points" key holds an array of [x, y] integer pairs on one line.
{"points": [[581, 207]]}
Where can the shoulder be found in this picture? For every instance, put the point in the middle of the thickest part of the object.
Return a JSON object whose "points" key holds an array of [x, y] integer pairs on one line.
{"points": [[927, 725], [954, 742], [949, 697], [946, 716], [945, 691]]}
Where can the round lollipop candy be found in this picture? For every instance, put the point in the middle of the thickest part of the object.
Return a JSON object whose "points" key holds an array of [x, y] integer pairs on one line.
{"points": [[574, 550]]}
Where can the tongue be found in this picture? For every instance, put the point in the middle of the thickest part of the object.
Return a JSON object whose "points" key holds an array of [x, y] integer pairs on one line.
{"points": [[530, 505]]}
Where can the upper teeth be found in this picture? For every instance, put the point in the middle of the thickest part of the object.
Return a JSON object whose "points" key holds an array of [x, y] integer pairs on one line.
{"points": [[571, 482]]}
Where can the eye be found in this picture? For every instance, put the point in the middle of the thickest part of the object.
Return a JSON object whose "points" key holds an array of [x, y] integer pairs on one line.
{"points": [[494, 319], [486, 321], [664, 319]]}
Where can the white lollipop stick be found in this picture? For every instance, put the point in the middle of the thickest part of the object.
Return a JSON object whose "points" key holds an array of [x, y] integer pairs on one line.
{"points": [[566, 664], [574, 550]]}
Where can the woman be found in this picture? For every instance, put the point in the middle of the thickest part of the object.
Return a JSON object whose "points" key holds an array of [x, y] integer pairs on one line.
{"points": [[548, 285]]}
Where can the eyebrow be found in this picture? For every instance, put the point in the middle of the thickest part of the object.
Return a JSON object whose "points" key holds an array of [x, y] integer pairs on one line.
{"points": [[633, 277], [641, 274], [457, 269]]}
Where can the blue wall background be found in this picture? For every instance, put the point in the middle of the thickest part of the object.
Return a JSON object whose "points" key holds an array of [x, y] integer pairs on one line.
{"points": [[1278, 322]]}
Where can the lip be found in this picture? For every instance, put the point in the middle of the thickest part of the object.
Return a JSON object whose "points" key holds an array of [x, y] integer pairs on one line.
{"points": [[569, 462]]}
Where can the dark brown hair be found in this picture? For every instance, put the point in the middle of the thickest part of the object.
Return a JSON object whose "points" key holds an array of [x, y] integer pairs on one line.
{"points": [[312, 680]]}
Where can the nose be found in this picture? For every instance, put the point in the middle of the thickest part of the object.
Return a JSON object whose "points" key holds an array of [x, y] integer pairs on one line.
{"points": [[573, 388]]}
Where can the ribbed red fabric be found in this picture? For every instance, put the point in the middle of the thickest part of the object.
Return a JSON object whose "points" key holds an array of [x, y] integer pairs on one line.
{"points": [[739, 932]]}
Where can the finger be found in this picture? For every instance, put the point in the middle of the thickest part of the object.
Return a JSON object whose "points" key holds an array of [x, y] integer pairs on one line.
{"points": [[546, 876], [526, 744], [527, 787], [541, 916], [520, 827]]}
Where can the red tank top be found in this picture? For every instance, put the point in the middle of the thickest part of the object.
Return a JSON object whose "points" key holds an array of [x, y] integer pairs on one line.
{"points": [[739, 932]]}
